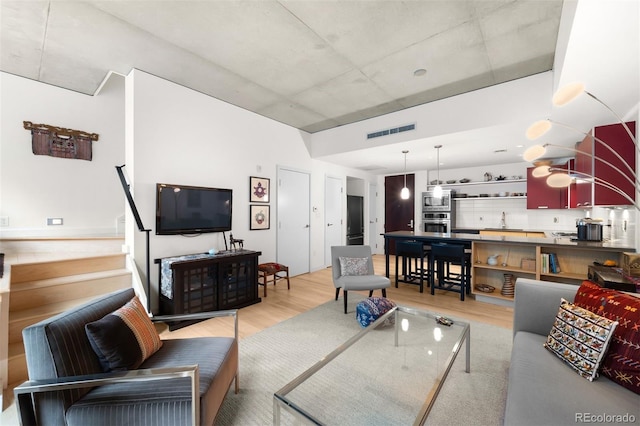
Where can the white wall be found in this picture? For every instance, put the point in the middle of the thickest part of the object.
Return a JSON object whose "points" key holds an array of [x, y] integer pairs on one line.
{"points": [[85, 194], [181, 136]]}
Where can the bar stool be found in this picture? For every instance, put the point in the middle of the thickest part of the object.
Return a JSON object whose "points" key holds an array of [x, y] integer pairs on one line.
{"points": [[441, 258], [412, 250]]}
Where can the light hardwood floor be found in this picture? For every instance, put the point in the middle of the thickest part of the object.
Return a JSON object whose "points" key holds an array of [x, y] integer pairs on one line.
{"points": [[313, 289]]}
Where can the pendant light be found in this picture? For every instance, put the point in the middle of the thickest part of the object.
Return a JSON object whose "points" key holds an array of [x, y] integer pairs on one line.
{"points": [[437, 191], [405, 194]]}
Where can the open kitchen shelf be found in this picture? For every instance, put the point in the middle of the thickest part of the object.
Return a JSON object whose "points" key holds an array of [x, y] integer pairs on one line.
{"points": [[481, 182], [478, 184], [484, 198]]}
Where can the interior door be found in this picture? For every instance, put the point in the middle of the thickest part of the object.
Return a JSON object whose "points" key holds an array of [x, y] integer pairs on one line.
{"points": [[398, 213], [332, 215], [294, 232]]}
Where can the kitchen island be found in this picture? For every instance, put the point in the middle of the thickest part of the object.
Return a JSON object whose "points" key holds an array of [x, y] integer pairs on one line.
{"points": [[520, 256]]}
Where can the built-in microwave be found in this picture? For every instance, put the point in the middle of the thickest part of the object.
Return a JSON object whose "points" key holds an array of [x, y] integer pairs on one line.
{"points": [[430, 203]]}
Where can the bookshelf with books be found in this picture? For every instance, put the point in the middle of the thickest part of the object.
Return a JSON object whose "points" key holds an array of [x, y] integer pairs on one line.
{"points": [[572, 263], [555, 262]]}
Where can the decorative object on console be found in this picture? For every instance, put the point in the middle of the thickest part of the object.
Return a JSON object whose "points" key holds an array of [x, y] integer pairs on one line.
{"points": [[259, 189], [259, 217], [580, 338], [60, 142], [234, 241]]}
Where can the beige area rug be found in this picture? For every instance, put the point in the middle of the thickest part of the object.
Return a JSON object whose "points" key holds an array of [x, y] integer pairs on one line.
{"points": [[272, 358]]}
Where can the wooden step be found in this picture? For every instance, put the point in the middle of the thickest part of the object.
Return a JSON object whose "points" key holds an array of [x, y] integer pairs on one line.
{"points": [[7, 400], [20, 319], [55, 290], [26, 272], [17, 363]]}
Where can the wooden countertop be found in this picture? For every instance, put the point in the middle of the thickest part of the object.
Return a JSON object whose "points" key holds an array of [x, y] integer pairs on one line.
{"points": [[613, 245]]}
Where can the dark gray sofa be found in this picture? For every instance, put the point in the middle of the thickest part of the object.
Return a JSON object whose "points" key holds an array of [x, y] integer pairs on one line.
{"points": [[185, 382], [542, 389]]}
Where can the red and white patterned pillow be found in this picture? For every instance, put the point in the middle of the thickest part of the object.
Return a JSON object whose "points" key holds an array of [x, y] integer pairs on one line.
{"points": [[580, 338], [622, 362]]}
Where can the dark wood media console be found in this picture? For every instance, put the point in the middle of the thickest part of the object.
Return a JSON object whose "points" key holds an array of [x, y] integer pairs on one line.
{"points": [[202, 282]]}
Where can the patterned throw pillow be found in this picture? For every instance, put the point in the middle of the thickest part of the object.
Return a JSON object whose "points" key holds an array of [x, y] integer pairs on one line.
{"points": [[580, 338], [372, 308], [622, 362], [354, 266], [124, 338]]}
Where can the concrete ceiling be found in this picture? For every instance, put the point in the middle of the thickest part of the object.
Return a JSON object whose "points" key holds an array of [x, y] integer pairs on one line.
{"points": [[314, 65], [311, 64]]}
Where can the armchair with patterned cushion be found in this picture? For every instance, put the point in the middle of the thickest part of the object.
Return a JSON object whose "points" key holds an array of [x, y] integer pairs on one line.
{"points": [[103, 363], [352, 269]]}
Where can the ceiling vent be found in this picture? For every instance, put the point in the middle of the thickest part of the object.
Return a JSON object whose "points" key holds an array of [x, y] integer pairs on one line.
{"points": [[392, 131]]}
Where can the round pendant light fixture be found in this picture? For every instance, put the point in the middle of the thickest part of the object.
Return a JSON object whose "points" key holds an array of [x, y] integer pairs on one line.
{"points": [[437, 191], [405, 193]]}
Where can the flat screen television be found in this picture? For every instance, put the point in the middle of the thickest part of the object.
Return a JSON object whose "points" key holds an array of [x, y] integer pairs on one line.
{"points": [[182, 209]]}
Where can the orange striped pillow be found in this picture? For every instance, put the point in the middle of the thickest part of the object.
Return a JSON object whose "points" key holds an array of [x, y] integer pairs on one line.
{"points": [[124, 338]]}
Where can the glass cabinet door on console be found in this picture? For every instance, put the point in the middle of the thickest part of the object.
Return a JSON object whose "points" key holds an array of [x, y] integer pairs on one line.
{"points": [[201, 282]]}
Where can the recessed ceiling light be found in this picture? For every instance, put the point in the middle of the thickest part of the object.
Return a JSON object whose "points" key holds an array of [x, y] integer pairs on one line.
{"points": [[419, 72]]}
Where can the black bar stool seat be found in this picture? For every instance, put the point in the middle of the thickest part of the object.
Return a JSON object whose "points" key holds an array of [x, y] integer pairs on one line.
{"points": [[441, 258], [416, 251]]}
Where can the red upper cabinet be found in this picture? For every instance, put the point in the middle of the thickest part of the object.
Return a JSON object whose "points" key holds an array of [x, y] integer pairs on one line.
{"points": [[542, 196], [604, 165], [584, 168]]}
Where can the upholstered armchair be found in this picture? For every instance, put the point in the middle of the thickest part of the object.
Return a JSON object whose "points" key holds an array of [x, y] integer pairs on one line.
{"points": [[83, 370], [352, 269]]}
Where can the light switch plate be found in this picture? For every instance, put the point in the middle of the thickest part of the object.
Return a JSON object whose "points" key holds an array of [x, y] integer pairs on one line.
{"points": [[4, 220], [54, 221]]}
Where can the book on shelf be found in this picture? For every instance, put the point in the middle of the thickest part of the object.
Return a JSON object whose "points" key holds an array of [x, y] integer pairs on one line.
{"points": [[544, 263], [549, 263], [553, 263]]}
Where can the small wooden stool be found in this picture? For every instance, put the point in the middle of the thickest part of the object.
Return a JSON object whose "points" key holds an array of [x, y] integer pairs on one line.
{"points": [[265, 270]]}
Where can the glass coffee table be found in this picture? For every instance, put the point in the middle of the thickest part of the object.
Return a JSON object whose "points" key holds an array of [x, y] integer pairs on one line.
{"points": [[389, 373]]}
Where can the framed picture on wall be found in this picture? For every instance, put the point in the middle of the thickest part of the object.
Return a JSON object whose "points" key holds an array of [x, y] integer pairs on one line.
{"points": [[259, 189], [259, 217]]}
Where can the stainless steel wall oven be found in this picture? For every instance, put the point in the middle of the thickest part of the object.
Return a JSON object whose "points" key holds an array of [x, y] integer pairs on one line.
{"points": [[437, 212], [436, 222]]}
